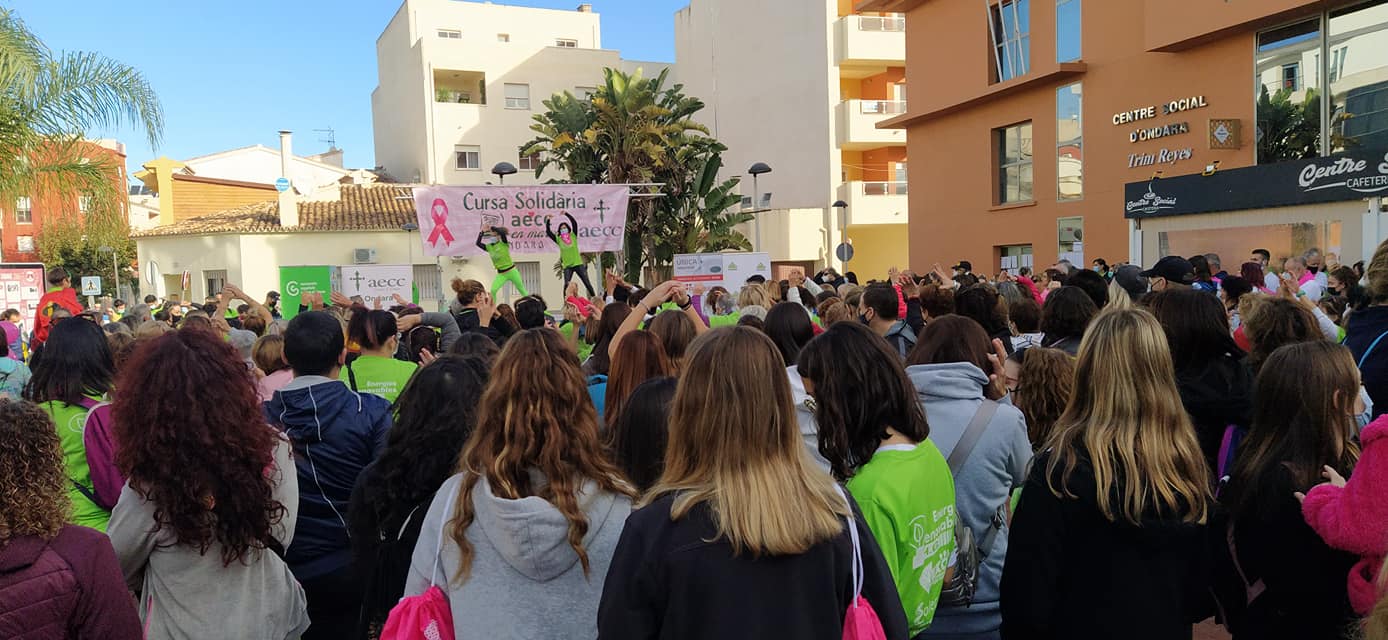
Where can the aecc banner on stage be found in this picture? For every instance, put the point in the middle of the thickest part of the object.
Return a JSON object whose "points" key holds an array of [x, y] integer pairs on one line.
{"points": [[450, 218]]}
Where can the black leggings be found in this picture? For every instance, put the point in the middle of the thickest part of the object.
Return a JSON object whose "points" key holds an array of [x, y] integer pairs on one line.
{"points": [[582, 273]]}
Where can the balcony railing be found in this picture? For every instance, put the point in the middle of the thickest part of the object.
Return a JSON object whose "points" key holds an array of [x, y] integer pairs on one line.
{"points": [[885, 107], [884, 188], [881, 23]]}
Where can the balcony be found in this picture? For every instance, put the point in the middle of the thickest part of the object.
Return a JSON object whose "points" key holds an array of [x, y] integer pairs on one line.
{"points": [[874, 202], [857, 124], [866, 45]]}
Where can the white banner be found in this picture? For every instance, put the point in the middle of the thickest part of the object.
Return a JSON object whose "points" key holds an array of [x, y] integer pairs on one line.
{"points": [[376, 282], [728, 270], [451, 218]]}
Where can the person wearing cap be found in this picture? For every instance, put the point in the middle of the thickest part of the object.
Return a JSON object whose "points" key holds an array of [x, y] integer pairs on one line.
{"points": [[1171, 273], [963, 268], [1129, 276]]}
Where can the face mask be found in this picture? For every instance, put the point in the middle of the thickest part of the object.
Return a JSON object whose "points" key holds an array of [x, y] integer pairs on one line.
{"points": [[1367, 415], [1313, 269], [863, 319]]}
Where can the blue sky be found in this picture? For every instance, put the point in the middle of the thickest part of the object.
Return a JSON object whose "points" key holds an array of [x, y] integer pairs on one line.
{"points": [[232, 73]]}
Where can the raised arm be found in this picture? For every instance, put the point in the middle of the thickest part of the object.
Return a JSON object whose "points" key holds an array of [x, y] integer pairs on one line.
{"points": [[549, 231], [652, 301], [686, 305], [256, 307], [479, 241]]}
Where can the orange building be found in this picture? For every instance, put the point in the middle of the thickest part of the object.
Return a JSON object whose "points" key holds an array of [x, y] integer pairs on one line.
{"points": [[22, 221], [1029, 119]]}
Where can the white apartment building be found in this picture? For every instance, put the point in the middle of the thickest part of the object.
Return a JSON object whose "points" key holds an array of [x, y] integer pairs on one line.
{"points": [[800, 85], [459, 84]]}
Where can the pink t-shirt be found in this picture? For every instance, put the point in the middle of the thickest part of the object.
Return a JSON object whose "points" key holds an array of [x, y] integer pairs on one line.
{"points": [[268, 385]]}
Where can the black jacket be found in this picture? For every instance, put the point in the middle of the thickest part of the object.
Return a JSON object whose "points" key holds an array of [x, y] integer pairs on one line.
{"points": [[1216, 394], [1364, 328], [667, 581], [1306, 581], [382, 549], [1072, 574]]}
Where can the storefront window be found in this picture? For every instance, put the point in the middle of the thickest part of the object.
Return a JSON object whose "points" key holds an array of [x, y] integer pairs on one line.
{"points": [[1358, 72], [1289, 109], [1232, 244], [1067, 30], [1069, 148]]}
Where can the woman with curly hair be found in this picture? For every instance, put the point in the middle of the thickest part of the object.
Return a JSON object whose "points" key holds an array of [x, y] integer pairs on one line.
{"points": [[211, 499], [1045, 379], [521, 539], [70, 380], [437, 411], [56, 580]]}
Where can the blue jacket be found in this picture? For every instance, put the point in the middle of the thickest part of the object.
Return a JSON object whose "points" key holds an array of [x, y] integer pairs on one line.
{"points": [[336, 433], [1365, 328]]}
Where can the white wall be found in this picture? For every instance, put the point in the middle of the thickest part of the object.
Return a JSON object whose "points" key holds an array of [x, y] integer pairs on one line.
{"points": [[766, 71]]}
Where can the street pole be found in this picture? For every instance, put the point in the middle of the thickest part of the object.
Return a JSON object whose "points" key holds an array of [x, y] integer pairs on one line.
{"points": [[756, 211], [115, 271]]}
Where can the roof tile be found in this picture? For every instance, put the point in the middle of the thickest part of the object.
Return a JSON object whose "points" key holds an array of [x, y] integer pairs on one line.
{"points": [[378, 207]]}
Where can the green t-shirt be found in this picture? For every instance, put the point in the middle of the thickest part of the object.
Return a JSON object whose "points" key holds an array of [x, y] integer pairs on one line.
{"points": [[385, 377], [568, 251], [500, 253], [907, 497], [584, 349], [71, 421], [727, 320]]}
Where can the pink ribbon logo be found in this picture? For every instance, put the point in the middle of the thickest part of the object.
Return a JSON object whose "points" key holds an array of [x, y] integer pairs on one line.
{"points": [[439, 214]]}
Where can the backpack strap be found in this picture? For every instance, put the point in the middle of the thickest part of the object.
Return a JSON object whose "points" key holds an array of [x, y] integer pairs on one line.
{"points": [[351, 377], [972, 434], [1251, 589], [443, 527], [1370, 350]]}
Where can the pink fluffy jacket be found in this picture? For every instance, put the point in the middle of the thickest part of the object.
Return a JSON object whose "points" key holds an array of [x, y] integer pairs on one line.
{"points": [[1355, 518]]}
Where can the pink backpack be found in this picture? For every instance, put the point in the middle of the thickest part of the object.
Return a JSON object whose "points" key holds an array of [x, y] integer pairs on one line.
{"points": [[426, 616], [860, 621]]}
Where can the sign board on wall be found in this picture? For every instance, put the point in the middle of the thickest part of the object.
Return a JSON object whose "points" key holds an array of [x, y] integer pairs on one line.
{"points": [[728, 270], [451, 218], [377, 283], [297, 281], [1350, 176], [21, 287]]}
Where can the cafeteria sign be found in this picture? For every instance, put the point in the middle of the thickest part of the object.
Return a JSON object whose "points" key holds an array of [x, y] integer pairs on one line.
{"points": [[451, 219]]}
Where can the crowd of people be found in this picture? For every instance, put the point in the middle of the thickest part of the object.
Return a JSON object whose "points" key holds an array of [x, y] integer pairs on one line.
{"points": [[1111, 452]]}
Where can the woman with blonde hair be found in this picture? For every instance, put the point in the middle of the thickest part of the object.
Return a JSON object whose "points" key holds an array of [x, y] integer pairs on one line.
{"points": [[1109, 534], [741, 520], [521, 538]]}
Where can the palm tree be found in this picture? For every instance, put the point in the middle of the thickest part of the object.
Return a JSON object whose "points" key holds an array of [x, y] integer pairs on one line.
{"points": [[48, 102]]}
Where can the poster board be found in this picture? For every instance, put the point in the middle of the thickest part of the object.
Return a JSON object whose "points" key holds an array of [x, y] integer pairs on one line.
{"points": [[22, 286], [376, 283], [297, 281], [728, 270], [451, 218]]}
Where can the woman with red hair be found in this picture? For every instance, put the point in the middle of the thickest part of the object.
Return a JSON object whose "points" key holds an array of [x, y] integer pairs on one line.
{"points": [[211, 497]]}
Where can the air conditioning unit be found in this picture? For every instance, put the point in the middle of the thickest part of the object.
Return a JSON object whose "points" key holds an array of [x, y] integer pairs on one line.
{"points": [[363, 256], [1071, 234]]}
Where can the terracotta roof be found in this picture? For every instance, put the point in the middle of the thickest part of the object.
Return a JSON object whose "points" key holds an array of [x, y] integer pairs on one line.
{"points": [[380, 207]]}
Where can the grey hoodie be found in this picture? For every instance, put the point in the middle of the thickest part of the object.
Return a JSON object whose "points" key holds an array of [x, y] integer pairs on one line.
{"points": [[952, 394], [526, 581], [804, 415]]}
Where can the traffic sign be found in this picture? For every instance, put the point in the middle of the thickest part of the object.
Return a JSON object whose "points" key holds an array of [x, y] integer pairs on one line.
{"points": [[91, 285], [844, 251], [282, 185]]}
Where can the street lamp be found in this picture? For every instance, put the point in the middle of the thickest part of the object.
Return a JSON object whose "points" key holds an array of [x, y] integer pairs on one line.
{"points": [[756, 170], [503, 169], [843, 229], [115, 266], [408, 228]]}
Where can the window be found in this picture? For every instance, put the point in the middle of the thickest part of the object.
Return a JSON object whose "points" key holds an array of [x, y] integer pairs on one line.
{"points": [[1067, 30], [216, 281], [503, 37], [566, 43], [530, 275], [1286, 64], [450, 34], [529, 163], [585, 93], [467, 157], [1011, 31], [1358, 77], [1014, 163], [25, 244], [23, 210], [517, 96], [1070, 240], [1069, 146], [84, 203]]}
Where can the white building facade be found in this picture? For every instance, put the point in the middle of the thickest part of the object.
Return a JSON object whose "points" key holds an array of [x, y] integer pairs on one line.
{"points": [[800, 85]]}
